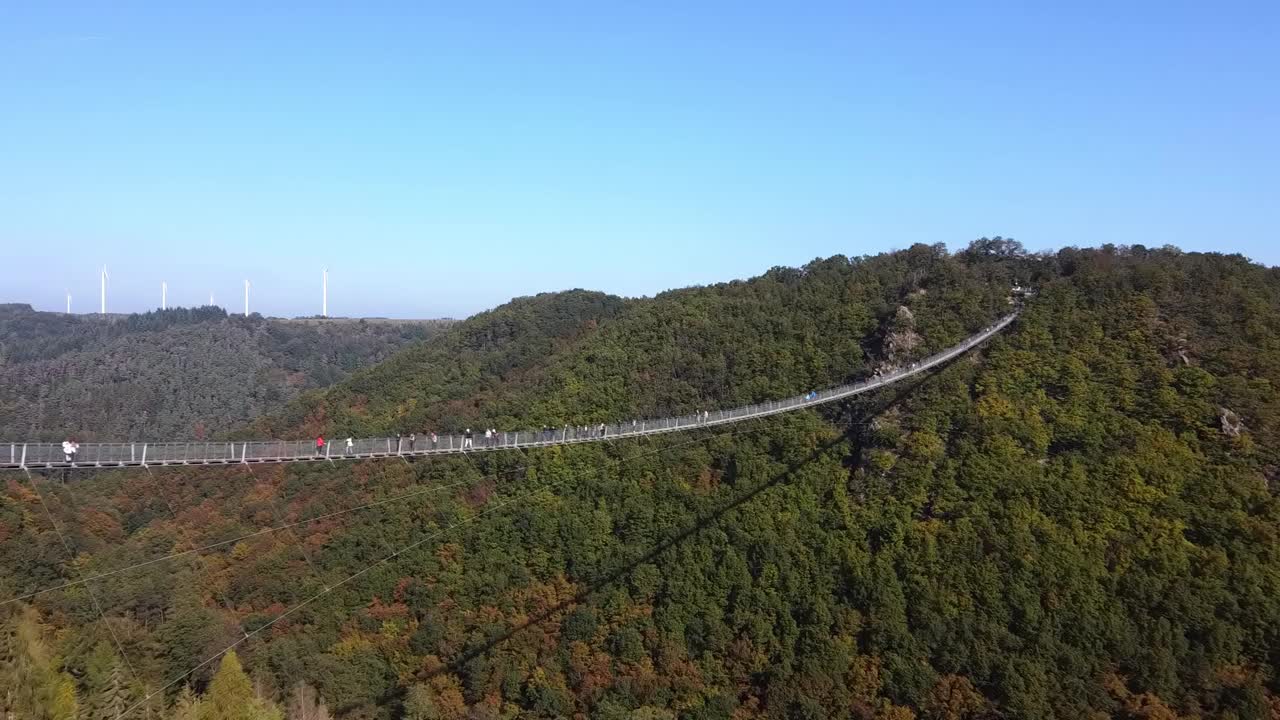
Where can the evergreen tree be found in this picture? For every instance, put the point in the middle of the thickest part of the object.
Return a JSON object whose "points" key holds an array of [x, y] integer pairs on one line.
{"points": [[109, 692], [19, 675], [187, 706], [1079, 520], [64, 704], [114, 699], [231, 696], [32, 685], [306, 704]]}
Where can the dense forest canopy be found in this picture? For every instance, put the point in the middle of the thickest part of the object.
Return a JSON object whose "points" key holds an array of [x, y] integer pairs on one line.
{"points": [[1079, 521], [183, 373]]}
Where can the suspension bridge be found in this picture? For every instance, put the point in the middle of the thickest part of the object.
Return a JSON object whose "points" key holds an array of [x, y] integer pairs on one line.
{"points": [[33, 456]]}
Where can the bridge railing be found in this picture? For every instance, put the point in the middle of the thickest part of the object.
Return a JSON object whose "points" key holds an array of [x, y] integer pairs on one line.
{"points": [[213, 452]]}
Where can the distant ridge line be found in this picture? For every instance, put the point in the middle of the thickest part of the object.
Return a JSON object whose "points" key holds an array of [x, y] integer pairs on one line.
{"points": [[17, 307]]}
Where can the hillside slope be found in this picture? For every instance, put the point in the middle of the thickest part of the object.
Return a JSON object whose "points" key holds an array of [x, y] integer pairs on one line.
{"points": [[1080, 521], [583, 357], [175, 374]]}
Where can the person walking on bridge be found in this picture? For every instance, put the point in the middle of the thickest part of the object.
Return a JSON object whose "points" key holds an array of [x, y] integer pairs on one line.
{"points": [[67, 450], [350, 448], [466, 439], [319, 445]]}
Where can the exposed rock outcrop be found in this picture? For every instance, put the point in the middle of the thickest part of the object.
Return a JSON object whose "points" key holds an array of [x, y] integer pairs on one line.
{"points": [[901, 338], [1232, 424]]}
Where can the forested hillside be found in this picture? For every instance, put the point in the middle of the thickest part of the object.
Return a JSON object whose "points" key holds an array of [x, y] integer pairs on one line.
{"points": [[1079, 521], [173, 374]]}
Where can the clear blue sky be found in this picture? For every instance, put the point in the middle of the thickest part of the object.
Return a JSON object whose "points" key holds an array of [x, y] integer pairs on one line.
{"points": [[440, 161]]}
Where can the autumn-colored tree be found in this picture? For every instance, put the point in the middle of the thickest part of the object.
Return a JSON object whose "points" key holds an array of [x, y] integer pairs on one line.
{"points": [[953, 697], [439, 699], [1096, 487]]}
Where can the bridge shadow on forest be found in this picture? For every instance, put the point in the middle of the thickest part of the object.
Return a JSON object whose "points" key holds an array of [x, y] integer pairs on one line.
{"points": [[853, 419]]}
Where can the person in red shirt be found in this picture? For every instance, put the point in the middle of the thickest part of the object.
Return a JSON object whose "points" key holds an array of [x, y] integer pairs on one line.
{"points": [[320, 445]]}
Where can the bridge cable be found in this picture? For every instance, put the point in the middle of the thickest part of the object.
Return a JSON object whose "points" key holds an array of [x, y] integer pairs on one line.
{"points": [[232, 541], [406, 548], [289, 526], [282, 526], [199, 559], [66, 544], [724, 416], [276, 528], [296, 540]]}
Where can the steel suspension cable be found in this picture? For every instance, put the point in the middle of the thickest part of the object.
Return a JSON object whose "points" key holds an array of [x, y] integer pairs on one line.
{"points": [[488, 511], [199, 559], [232, 541], [45, 455], [71, 557], [276, 528]]}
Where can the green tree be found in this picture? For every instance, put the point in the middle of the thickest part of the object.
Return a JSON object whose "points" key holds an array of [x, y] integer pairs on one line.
{"points": [[113, 699], [186, 706], [1094, 491], [230, 695], [32, 683], [109, 692], [306, 704]]}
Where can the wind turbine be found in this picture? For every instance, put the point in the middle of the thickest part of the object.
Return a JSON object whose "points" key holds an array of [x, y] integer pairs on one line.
{"points": [[324, 303], [103, 309], [164, 295], [246, 298]]}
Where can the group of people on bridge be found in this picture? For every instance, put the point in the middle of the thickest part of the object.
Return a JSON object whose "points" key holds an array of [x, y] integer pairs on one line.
{"points": [[402, 443], [491, 438]]}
